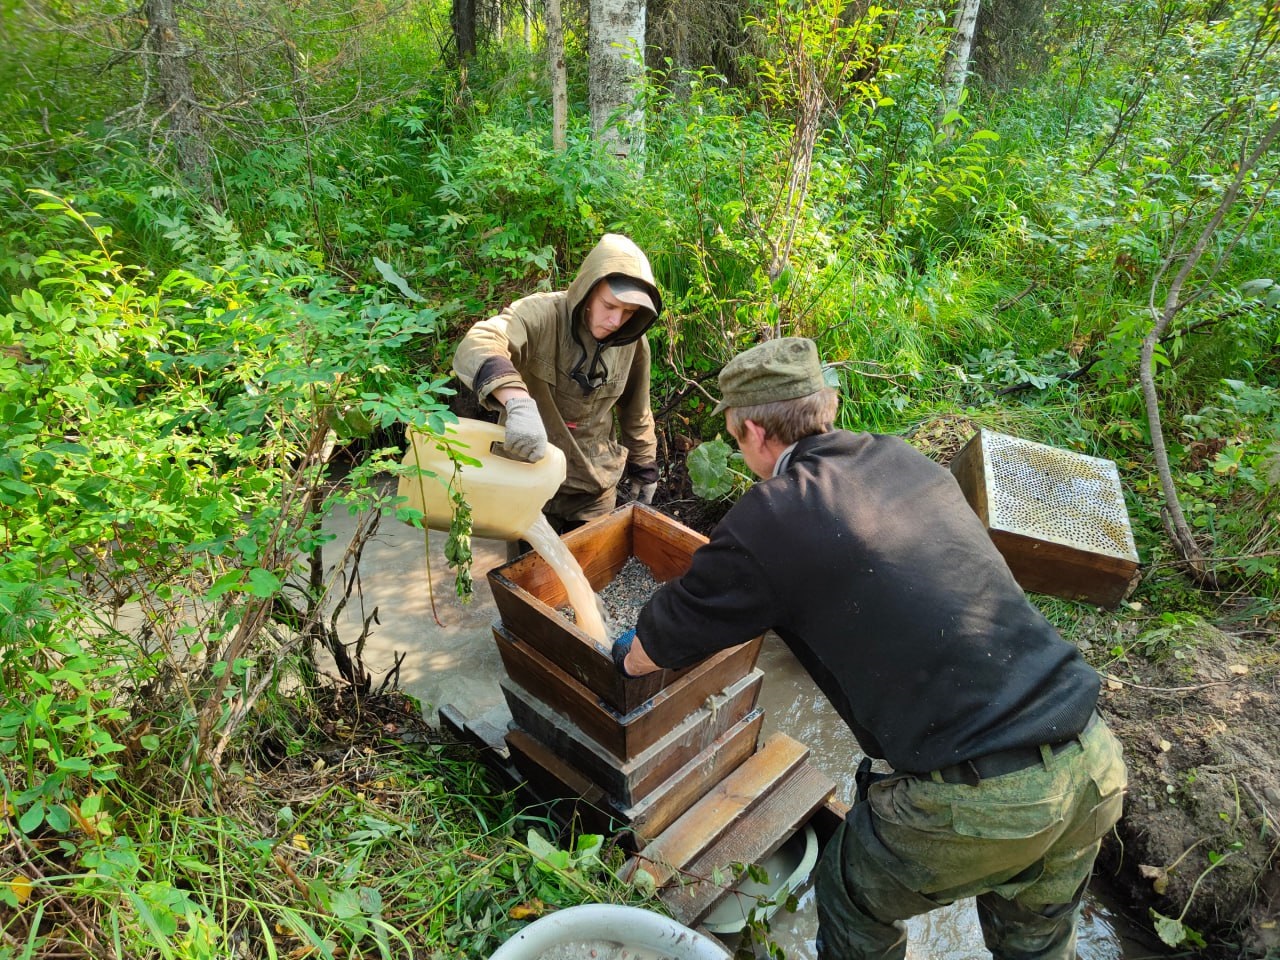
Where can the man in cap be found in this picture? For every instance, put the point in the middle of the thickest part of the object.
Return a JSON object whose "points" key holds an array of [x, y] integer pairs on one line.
{"points": [[866, 559], [558, 366]]}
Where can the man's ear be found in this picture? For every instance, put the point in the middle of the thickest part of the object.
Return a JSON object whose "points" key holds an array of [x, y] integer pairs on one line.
{"points": [[755, 432]]}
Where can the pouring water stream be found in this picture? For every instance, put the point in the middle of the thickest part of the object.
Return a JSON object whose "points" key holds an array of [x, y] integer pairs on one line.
{"points": [[587, 606]]}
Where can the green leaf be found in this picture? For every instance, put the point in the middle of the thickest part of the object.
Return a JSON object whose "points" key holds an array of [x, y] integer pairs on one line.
{"points": [[708, 465], [31, 819], [389, 274], [262, 583], [589, 846], [230, 580], [59, 818], [1169, 930], [549, 858], [191, 864]]}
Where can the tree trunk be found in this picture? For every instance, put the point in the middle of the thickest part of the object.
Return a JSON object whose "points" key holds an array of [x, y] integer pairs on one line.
{"points": [[956, 66], [175, 92], [615, 50], [681, 49], [1008, 41], [799, 167], [559, 79], [1175, 521], [463, 20]]}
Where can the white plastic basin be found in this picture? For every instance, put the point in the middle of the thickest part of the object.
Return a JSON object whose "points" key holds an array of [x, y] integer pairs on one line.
{"points": [[632, 927]]}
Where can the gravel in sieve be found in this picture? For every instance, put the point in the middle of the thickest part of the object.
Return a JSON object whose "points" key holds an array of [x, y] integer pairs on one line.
{"points": [[623, 597]]}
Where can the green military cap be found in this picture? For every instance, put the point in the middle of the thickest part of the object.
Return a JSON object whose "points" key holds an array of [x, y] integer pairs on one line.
{"points": [[782, 369]]}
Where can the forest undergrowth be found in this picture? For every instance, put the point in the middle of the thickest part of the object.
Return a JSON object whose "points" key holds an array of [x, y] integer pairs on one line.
{"points": [[1082, 253]]}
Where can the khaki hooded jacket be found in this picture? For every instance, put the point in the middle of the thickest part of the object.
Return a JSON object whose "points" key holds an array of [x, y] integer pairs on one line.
{"points": [[542, 343]]}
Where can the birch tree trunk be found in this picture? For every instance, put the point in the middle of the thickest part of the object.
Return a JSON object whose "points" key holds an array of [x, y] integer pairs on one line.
{"points": [[956, 66], [559, 79], [168, 53], [615, 49]]}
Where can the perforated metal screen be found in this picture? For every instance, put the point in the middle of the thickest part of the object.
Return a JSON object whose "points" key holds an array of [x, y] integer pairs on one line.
{"points": [[1051, 494]]}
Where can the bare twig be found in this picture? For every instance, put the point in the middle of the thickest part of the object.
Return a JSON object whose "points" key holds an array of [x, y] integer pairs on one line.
{"points": [[1190, 689], [95, 946]]}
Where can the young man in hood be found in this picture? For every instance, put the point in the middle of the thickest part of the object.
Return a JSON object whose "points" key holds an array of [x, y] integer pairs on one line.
{"points": [[559, 366], [864, 556]]}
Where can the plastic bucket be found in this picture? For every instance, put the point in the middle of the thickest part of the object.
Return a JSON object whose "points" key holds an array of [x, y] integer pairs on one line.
{"points": [[788, 869], [506, 496], [632, 927]]}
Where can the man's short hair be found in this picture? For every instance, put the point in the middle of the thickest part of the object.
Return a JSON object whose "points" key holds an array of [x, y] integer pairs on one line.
{"points": [[788, 420]]}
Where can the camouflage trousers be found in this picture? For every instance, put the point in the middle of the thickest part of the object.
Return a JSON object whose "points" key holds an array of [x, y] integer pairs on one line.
{"points": [[1023, 844]]}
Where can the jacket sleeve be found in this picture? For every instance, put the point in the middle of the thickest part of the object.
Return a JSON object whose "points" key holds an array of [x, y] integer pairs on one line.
{"points": [[726, 598], [635, 416], [489, 355]]}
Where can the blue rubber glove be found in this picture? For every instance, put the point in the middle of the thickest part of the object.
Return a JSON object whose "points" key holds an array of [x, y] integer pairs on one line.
{"points": [[621, 647]]}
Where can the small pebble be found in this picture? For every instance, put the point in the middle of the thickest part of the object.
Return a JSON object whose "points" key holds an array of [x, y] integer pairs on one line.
{"points": [[623, 597]]}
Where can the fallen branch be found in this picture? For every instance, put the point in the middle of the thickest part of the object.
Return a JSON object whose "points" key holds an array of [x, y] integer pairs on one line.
{"points": [[1191, 689], [1074, 375]]}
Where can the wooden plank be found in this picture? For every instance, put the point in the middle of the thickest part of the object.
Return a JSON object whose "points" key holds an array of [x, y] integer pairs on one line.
{"points": [[600, 547], [657, 811], [688, 689], [487, 740], [708, 819], [528, 618], [629, 781], [1043, 566], [966, 467], [827, 817], [487, 729], [567, 791], [665, 546], [453, 720], [527, 592], [526, 665], [623, 734], [761, 831], [533, 575], [656, 764]]}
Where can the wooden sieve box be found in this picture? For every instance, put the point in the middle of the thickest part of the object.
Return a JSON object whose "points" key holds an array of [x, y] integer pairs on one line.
{"points": [[1057, 517], [654, 744]]}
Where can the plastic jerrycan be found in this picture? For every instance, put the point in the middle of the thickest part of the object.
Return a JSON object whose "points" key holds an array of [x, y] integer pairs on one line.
{"points": [[506, 495]]}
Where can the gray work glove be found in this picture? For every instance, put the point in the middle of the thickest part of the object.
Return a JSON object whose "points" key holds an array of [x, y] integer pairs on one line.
{"points": [[643, 492], [526, 436]]}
